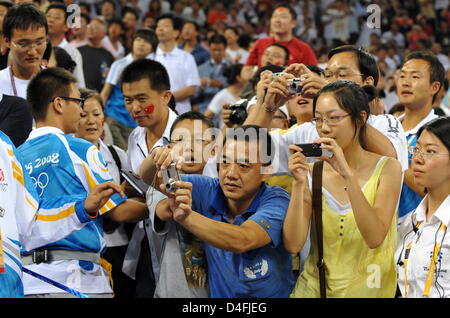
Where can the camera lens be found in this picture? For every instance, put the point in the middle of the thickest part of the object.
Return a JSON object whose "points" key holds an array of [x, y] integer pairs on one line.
{"points": [[238, 115]]}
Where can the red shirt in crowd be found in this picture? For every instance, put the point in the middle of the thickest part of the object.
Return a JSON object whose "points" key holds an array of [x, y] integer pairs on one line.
{"points": [[216, 16], [300, 52]]}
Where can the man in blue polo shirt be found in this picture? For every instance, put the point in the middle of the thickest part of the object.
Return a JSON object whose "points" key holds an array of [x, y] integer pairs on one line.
{"points": [[238, 216]]}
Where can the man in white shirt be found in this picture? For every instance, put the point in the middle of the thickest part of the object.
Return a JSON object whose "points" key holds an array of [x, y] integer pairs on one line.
{"points": [[118, 118], [395, 35], [25, 32], [57, 18], [420, 80], [384, 136], [146, 89], [180, 65]]}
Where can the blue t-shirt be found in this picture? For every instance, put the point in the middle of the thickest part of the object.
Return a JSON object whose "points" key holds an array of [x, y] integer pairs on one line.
{"points": [[62, 167], [115, 108], [409, 200], [263, 272]]}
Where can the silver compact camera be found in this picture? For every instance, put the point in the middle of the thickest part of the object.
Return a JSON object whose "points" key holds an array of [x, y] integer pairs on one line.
{"points": [[295, 84], [170, 177]]}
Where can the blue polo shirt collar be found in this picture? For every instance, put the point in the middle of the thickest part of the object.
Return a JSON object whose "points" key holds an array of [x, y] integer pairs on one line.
{"points": [[218, 204]]}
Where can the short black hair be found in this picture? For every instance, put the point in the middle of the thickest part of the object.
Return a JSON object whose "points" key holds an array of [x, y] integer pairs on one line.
{"points": [[22, 17], [86, 5], [126, 10], [289, 7], [244, 133], [110, 1], [148, 35], [440, 127], [177, 23], [152, 70], [63, 59], [231, 72], [195, 24], [192, 116], [244, 41], [45, 86], [58, 6], [115, 21], [257, 77], [232, 28], [217, 39], [6, 4], [366, 62], [285, 49], [436, 69]]}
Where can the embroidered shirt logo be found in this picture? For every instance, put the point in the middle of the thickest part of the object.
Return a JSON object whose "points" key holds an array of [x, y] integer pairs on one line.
{"points": [[257, 270]]}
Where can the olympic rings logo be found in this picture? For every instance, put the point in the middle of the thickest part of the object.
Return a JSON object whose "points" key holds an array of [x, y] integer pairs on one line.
{"points": [[41, 182]]}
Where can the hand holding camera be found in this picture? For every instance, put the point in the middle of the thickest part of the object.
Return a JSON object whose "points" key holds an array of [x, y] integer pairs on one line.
{"points": [[170, 178], [180, 200], [279, 91], [164, 160], [311, 83], [298, 164]]}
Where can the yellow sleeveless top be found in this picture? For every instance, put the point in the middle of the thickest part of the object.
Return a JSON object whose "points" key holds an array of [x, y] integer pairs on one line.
{"points": [[352, 269]]}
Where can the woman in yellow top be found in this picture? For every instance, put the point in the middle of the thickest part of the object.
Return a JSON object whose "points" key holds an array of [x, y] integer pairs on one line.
{"points": [[359, 199]]}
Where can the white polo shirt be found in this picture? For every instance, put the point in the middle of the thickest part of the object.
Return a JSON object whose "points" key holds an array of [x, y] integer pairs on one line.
{"points": [[183, 72], [137, 152], [422, 245], [137, 144]]}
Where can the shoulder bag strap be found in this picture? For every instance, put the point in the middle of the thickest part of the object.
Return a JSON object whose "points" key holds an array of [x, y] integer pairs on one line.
{"points": [[317, 214]]}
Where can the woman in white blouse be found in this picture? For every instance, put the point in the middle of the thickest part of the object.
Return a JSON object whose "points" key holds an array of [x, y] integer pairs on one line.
{"points": [[91, 128], [423, 251]]}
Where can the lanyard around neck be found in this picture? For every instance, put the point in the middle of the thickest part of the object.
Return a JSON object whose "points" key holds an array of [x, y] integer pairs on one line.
{"points": [[431, 267], [13, 82]]}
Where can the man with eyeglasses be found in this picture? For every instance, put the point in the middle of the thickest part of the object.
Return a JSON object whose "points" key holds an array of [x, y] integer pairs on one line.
{"points": [[25, 35], [384, 135], [25, 31], [62, 166]]}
